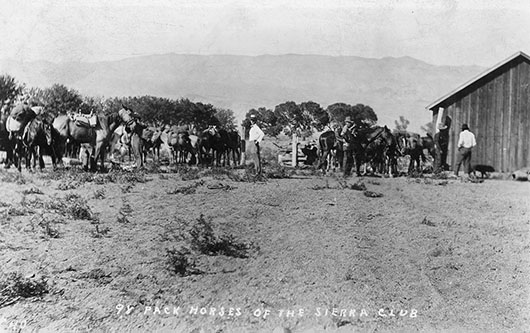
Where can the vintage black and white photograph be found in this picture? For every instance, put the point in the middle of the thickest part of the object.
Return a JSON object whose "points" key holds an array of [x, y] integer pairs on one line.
{"points": [[295, 166]]}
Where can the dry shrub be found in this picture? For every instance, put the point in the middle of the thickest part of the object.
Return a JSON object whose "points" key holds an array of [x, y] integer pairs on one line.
{"points": [[13, 287], [132, 177], [215, 172], [204, 240], [124, 213], [13, 178], [127, 188], [99, 233], [371, 194], [32, 190], [276, 171], [16, 211], [187, 173], [47, 228], [99, 194], [428, 222], [67, 185], [180, 262], [71, 205], [189, 189], [359, 186]]}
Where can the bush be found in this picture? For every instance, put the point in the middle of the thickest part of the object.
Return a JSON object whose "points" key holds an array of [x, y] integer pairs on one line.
{"points": [[190, 189], [180, 262], [204, 240], [72, 205], [14, 286], [33, 190]]}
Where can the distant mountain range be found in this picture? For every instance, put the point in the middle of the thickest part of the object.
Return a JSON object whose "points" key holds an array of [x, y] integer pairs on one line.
{"points": [[391, 86]]}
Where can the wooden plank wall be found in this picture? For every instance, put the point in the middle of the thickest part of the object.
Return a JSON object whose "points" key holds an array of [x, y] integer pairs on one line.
{"points": [[524, 110], [497, 110]]}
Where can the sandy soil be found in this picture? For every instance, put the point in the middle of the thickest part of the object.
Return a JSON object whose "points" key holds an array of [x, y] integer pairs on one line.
{"points": [[451, 256]]}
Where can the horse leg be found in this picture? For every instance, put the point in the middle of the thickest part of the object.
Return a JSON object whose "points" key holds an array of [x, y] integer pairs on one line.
{"points": [[41, 159], [136, 141], [29, 153], [99, 154]]}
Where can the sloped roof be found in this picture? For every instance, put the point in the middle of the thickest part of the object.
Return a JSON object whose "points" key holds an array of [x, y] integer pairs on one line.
{"points": [[475, 79]]}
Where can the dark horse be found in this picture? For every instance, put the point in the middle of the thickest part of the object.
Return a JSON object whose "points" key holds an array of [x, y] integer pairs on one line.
{"points": [[96, 138], [331, 150], [374, 145], [6, 143], [413, 144], [327, 142], [232, 146], [210, 147], [39, 138]]}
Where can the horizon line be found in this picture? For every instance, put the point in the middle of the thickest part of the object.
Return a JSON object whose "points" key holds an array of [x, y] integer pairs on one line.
{"points": [[232, 55]]}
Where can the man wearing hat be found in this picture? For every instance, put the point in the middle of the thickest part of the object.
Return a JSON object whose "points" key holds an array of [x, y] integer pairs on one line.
{"points": [[466, 141], [441, 144], [346, 147], [255, 137]]}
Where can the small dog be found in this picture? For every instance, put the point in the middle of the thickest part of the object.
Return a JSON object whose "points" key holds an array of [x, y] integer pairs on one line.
{"points": [[483, 169]]}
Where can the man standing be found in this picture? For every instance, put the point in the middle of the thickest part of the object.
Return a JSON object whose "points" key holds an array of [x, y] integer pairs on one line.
{"points": [[441, 144], [347, 147], [466, 141], [255, 136]]}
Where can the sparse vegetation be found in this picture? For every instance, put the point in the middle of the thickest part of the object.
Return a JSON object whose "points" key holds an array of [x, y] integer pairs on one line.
{"points": [[372, 194], [359, 186], [189, 189], [276, 171], [428, 222], [124, 213], [99, 194], [48, 229], [204, 240], [99, 233], [32, 190], [180, 262], [14, 287], [71, 205]]}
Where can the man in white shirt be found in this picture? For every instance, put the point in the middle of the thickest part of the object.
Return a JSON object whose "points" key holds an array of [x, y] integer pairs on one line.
{"points": [[466, 141], [255, 137]]}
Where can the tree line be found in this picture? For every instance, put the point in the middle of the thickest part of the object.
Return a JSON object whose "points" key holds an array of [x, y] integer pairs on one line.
{"points": [[288, 117], [59, 99]]}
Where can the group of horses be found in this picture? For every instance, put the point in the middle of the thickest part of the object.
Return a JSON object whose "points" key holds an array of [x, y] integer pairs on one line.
{"points": [[212, 146], [377, 148], [92, 140]]}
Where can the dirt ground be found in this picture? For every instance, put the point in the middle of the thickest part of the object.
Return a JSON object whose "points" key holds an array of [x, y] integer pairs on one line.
{"points": [[428, 255]]}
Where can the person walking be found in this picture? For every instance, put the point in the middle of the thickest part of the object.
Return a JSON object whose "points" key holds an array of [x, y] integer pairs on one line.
{"points": [[466, 141], [256, 135]]}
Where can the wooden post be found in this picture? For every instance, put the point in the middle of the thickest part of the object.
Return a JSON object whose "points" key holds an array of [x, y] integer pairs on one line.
{"points": [[294, 154]]}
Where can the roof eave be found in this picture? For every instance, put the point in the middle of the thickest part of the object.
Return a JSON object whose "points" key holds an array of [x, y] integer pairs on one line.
{"points": [[475, 79]]}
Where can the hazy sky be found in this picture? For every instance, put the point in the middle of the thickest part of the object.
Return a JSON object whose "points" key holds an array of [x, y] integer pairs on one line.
{"points": [[467, 32]]}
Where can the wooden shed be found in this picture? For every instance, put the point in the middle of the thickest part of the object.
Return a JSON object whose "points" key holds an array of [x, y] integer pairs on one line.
{"points": [[496, 106]]}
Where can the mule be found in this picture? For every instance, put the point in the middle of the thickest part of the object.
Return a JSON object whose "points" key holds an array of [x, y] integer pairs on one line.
{"points": [[95, 139]]}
